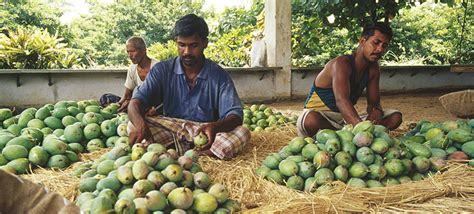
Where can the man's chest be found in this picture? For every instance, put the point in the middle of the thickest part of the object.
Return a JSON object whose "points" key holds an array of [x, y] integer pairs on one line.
{"points": [[199, 103], [142, 72]]}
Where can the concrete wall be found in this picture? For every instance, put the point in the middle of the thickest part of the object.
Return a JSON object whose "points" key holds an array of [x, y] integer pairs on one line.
{"points": [[394, 79], [253, 84], [34, 88]]}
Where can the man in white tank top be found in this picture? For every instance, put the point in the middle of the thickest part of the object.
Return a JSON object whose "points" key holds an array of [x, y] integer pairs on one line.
{"points": [[141, 65]]}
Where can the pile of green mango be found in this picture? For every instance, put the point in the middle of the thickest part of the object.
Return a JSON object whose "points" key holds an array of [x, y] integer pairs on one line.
{"points": [[261, 117], [453, 139], [52, 136], [361, 156], [139, 180]]}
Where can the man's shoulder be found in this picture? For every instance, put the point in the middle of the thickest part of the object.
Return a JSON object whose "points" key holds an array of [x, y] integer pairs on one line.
{"points": [[153, 61], [132, 67], [341, 60]]}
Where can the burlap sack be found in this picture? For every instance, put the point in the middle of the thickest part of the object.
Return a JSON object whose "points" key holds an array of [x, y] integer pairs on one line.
{"points": [[18, 195], [459, 103], [258, 55]]}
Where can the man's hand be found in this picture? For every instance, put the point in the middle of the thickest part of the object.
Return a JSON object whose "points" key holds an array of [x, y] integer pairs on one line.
{"points": [[151, 111], [210, 130], [139, 134], [123, 105], [375, 115]]}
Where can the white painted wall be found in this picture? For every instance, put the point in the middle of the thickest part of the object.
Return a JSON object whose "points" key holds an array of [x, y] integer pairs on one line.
{"points": [[401, 79], [34, 88]]}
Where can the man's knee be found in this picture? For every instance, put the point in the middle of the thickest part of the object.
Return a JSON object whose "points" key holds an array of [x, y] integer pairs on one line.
{"points": [[244, 132], [227, 146], [301, 126], [312, 123], [243, 135]]}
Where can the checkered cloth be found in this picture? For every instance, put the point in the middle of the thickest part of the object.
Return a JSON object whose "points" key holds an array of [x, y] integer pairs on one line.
{"points": [[178, 134]]}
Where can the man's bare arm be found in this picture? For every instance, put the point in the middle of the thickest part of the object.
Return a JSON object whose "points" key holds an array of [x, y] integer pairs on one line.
{"points": [[136, 114], [125, 100], [341, 71], [374, 110]]}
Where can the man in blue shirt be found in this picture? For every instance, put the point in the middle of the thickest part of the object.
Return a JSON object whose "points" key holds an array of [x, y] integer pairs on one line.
{"points": [[197, 96]]}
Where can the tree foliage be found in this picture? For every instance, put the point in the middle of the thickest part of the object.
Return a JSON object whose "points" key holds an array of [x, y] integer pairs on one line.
{"points": [[430, 34], [232, 48], [102, 35], [314, 44], [315, 40], [351, 14], [164, 51], [32, 13], [237, 17], [231, 40], [32, 48]]}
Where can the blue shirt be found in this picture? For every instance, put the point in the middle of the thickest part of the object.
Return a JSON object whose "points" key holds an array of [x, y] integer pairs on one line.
{"points": [[213, 97]]}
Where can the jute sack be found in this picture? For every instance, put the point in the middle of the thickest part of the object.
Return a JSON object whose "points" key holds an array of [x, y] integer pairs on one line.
{"points": [[460, 103]]}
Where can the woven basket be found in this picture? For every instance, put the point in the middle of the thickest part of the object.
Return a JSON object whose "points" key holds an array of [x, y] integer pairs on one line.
{"points": [[460, 103]]}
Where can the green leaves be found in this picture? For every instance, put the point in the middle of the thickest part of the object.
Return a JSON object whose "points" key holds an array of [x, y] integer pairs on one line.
{"points": [[34, 49], [32, 13], [102, 34], [426, 34], [161, 51], [232, 48], [430, 34]]}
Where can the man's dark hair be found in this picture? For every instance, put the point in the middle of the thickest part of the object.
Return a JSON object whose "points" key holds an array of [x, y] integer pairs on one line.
{"points": [[190, 25], [384, 28], [137, 42]]}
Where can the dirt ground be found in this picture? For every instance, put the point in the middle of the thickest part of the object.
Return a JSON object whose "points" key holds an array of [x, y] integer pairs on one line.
{"points": [[414, 107]]}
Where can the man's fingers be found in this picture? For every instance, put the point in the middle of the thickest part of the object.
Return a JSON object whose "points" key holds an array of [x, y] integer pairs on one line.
{"points": [[147, 136], [150, 140], [122, 108], [146, 143], [210, 141], [150, 112], [135, 137], [210, 138], [132, 138], [139, 139], [199, 130], [205, 147]]}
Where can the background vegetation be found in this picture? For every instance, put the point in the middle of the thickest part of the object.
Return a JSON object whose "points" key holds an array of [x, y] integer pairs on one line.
{"points": [[433, 33]]}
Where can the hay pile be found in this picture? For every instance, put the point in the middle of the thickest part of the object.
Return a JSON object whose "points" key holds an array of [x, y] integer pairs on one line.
{"points": [[452, 191]]}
